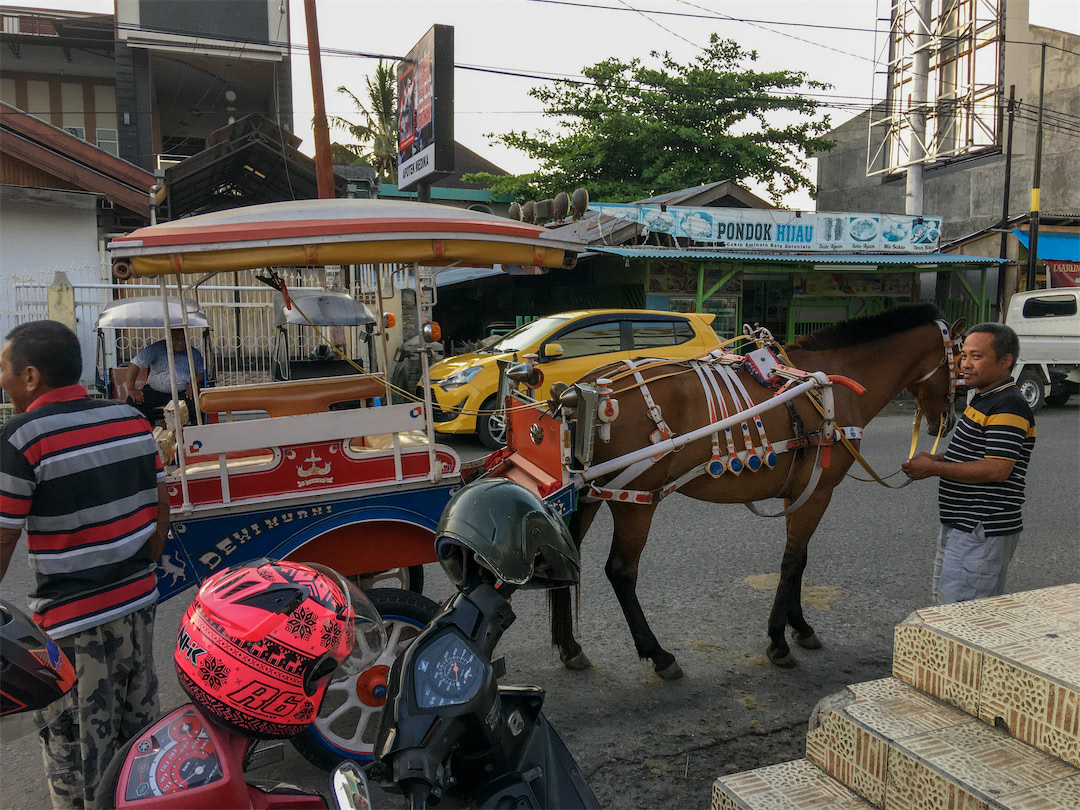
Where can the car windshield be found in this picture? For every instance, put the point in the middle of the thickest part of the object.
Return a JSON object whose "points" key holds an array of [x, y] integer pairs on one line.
{"points": [[525, 336]]}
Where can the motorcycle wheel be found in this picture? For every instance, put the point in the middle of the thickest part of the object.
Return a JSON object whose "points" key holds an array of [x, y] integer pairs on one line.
{"points": [[349, 717]]}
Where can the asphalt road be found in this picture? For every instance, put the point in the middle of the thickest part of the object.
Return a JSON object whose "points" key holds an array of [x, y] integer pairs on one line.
{"points": [[706, 585]]}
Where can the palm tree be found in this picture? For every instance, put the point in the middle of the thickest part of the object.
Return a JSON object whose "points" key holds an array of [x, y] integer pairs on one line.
{"points": [[376, 138]]}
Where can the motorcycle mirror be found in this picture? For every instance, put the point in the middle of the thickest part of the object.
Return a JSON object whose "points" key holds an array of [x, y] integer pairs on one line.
{"points": [[350, 786]]}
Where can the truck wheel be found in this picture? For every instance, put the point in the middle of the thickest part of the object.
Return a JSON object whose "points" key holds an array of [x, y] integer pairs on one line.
{"points": [[1031, 388], [348, 720], [491, 426], [1057, 400]]}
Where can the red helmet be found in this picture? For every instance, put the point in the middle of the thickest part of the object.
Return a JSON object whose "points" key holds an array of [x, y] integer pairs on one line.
{"points": [[258, 645]]}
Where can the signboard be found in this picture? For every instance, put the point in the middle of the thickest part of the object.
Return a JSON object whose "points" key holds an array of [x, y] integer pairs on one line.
{"points": [[425, 93], [788, 231], [1063, 274]]}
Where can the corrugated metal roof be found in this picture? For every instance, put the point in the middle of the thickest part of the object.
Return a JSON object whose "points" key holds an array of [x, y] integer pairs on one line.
{"points": [[795, 258], [1054, 245]]}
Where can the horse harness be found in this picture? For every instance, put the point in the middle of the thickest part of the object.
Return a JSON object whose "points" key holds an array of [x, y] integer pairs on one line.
{"points": [[717, 372]]}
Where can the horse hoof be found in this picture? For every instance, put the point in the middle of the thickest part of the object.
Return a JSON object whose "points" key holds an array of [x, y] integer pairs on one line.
{"points": [[672, 672], [577, 662], [807, 642], [785, 659]]}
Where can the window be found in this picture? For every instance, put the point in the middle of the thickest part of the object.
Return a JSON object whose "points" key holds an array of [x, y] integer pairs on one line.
{"points": [[657, 334], [1050, 306], [108, 141], [78, 132], [596, 338]]}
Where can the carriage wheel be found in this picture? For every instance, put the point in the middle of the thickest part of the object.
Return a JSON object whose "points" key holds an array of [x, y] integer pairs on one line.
{"points": [[491, 425], [348, 719]]}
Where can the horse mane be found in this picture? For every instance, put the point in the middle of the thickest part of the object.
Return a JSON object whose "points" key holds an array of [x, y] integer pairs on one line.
{"points": [[855, 331]]}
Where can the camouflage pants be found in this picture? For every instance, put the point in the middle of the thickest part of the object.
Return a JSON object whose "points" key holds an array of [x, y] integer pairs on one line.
{"points": [[115, 696]]}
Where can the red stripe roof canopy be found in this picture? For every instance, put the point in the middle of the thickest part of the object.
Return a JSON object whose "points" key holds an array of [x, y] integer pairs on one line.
{"points": [[340, 231]]}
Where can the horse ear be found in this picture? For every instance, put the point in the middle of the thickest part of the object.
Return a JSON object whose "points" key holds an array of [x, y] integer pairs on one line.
{"points": [[958, 327]]}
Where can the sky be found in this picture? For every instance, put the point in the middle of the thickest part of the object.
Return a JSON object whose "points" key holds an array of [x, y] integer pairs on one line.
{"points": [[832, 41]]}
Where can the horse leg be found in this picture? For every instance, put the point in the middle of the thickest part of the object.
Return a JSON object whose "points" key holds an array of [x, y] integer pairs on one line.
{"points": [[787, 606], [631, 533], [562, 620]]}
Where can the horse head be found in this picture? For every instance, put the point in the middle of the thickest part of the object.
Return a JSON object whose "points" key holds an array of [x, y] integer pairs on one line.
{"points": [[935, 391]]}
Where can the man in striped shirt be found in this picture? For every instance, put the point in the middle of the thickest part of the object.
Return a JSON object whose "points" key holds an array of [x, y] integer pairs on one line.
{"points": [[981, 488], [84, 478]]}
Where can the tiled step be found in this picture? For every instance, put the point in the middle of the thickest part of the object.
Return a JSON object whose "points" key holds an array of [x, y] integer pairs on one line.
{"points": [[1013, 661], [903, 750], [798, 785]]}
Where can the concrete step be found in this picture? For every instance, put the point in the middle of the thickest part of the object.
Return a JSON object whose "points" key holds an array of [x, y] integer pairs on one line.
{"points": [[1013, 661], [901, 749], [798, 785]]}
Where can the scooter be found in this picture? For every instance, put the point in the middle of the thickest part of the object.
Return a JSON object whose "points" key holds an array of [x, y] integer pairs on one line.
{"points": [[448, 729], [255, 652], [261, 641]]}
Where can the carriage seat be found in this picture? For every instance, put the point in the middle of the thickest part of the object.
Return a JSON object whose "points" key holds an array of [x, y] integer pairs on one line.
{"points": [[291, 398], [233, 462], [385, 441]]}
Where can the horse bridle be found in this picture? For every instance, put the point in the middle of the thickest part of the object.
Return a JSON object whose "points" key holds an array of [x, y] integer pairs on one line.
{"points": [[949, 359]]}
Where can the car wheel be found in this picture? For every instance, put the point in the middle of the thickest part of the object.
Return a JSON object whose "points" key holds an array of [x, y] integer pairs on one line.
{"points": [[1031, 388], [491, 425], [348, 719]]}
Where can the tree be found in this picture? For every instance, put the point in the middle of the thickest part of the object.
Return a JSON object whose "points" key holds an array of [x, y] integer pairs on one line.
{"points": [[376, 138], [632, 131]]}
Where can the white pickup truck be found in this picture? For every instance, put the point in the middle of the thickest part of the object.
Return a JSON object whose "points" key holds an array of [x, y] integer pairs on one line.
{"points": [[1048, 325]]}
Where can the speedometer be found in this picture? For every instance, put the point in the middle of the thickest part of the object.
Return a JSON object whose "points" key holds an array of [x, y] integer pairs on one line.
{"points": [[447, 672]]}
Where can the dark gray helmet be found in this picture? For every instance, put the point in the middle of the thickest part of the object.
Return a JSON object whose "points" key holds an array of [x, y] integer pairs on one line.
{"points": [[499, 527]]}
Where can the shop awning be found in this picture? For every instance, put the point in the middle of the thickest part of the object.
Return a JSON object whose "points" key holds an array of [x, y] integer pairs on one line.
{"points": [[1054, 246], [928, 259]]}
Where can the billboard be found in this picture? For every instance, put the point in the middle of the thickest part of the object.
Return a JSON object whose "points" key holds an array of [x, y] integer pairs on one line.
{"points": [[425, 93], [779, 230]]}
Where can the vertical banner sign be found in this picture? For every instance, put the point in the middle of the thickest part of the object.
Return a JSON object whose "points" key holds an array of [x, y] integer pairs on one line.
{"points": [[425, 91]]}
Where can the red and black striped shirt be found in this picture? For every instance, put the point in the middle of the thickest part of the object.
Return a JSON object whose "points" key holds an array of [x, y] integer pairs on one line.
{"points": [[81, 476]]}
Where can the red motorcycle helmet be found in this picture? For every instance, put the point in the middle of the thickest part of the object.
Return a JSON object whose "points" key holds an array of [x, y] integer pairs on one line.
{"points": [[258, 645]]}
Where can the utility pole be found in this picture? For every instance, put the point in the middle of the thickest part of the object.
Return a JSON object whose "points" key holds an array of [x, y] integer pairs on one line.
{"points": [[1003, 253], [324, 172], [913, 194], [1033, 228]]}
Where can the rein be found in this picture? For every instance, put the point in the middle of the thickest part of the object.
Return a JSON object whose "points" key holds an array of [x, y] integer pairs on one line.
{"points": [[947, 358]]}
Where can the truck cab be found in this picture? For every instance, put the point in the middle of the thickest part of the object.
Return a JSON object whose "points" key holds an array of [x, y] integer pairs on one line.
{"points": [[1048, 325]]}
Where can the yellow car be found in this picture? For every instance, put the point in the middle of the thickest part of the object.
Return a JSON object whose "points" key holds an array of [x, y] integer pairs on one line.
{"points": [[569, 345]]}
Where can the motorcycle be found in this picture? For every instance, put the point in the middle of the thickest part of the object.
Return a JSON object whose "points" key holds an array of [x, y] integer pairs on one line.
{"points": [[255, 652], [260, 643], [448, 729]]}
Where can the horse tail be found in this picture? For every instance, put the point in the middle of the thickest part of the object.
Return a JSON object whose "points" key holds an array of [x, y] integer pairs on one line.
{"points": [[562, 618]]}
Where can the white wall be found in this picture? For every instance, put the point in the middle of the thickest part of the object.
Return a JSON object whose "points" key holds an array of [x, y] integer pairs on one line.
{"points": [[41, 232]]}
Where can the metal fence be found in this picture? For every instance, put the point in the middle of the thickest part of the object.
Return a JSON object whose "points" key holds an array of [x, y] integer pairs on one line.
{"points": [[241, 317]]}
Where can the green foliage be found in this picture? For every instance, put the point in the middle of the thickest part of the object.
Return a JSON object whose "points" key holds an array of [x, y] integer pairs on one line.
{"points": [[633, 131], [376, 138]]}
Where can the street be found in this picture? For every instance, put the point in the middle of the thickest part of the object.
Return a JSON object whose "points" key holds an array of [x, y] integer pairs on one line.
{"points": [[706, 585]]}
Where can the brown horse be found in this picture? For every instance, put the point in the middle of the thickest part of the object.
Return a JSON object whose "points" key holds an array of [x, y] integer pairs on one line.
{"points": [[903, 348]]}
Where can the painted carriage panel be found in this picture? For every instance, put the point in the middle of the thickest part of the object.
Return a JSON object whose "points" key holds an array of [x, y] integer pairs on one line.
{"points": [[199, 546]]}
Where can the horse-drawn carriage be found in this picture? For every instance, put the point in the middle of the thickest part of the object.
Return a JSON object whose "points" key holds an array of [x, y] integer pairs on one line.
{"points": [[358, 488], [361, 489]]}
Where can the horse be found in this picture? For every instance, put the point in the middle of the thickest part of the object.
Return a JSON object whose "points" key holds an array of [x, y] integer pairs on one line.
{"points": [[907, 347]]}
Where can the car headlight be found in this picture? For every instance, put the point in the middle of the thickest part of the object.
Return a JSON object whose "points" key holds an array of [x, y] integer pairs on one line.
{"points": [[460, 378]]}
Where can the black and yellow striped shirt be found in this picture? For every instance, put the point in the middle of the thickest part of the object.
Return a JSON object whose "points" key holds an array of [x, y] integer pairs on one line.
{"points": [[997, 424]]}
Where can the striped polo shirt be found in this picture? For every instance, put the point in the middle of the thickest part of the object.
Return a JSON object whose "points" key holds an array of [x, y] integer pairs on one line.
{"points": [[996, 424], [81, 476]]}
